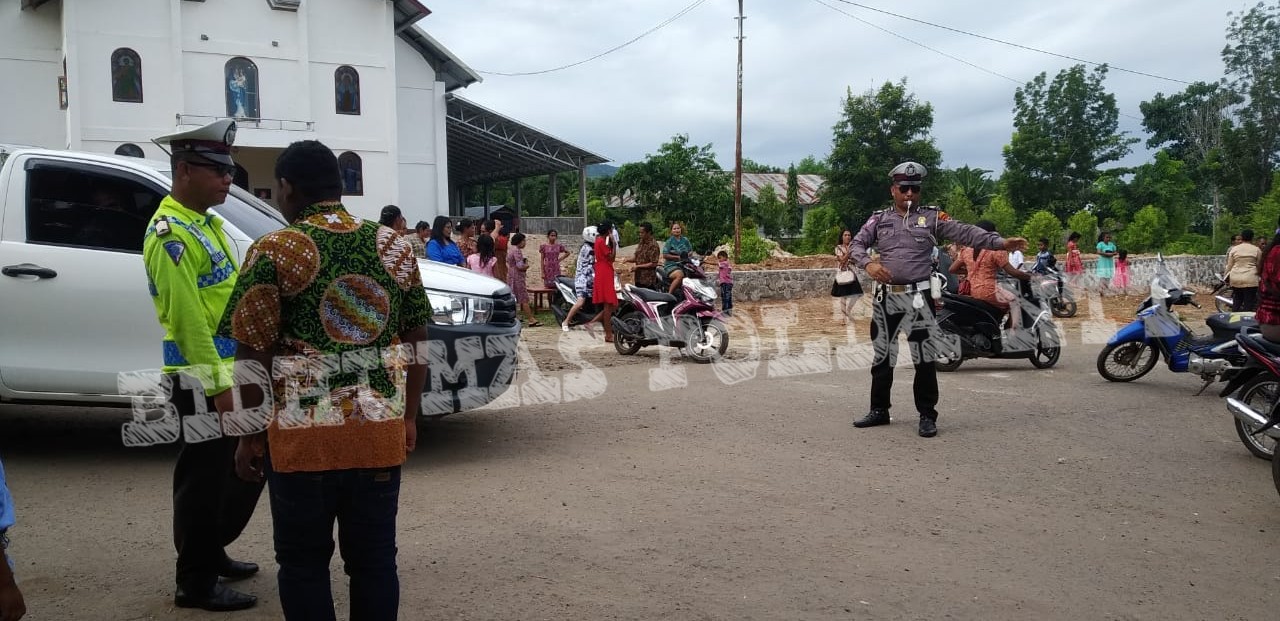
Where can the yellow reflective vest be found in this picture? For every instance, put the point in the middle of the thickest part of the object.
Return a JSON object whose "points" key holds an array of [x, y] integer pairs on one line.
{"points": [[191, 273]]}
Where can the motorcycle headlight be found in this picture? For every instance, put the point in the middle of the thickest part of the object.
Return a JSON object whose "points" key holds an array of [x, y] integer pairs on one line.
{"points": [[702, 291], [458, 309]]}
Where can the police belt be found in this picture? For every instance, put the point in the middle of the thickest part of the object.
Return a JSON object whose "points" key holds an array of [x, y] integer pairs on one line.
{"points": [[923, 285]]}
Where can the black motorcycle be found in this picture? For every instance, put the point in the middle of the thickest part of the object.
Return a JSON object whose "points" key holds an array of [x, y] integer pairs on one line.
{"points": [[972, 328]]}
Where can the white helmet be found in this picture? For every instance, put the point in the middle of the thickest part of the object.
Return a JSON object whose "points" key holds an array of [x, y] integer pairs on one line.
{"points": [[589, 235]]}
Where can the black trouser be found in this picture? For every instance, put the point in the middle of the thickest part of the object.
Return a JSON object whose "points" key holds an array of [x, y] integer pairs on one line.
{"points": [[1244, 299], [889, 311], [211, 505]]}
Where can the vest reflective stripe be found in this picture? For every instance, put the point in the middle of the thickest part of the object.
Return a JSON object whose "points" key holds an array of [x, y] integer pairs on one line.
{"points": [[173, 356]]}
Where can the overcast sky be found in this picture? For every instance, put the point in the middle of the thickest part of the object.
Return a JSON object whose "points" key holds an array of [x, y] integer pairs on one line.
{"points": [[799, 58]]}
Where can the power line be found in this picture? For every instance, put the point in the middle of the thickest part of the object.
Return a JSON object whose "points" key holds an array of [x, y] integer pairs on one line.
{"points": [[935, 50], [914, 42], [1011, 44], [661, 25]]}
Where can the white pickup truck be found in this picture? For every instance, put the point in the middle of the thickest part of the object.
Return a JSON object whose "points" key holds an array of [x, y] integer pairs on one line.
{"points": [[74, 307]]}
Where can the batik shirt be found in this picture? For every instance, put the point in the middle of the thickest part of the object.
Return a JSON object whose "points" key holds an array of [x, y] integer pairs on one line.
{"points": [[329, 295], [191, 273]]}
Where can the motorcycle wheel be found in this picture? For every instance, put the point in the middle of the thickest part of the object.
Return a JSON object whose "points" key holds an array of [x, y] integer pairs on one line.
{"points": [[1223, 306], [1124, 362], [1044, 357], [1260, 394], [1063, 306], [711, 342], [625, 344], [957, 356]]}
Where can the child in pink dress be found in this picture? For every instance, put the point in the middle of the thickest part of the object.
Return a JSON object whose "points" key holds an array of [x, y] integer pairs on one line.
{"points": [[1121, 279], [483, 260]]}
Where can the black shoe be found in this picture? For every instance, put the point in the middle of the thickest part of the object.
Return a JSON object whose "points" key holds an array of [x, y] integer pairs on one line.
{"points": [[928, 427], [237, 570], [873, 418], [219, 599]]}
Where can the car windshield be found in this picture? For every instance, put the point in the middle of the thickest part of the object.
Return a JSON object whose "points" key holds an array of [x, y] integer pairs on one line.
{"points": [[250, 215]]}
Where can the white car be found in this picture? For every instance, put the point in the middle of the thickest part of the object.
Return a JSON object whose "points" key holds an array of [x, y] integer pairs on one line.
{"points": [[74, 306]]}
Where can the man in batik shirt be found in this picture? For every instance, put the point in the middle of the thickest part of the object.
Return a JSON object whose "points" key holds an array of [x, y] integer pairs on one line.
{"points": [[325, 304]]}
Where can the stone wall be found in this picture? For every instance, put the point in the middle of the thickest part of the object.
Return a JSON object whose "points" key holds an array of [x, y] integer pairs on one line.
{"points": [[1191, 271]]}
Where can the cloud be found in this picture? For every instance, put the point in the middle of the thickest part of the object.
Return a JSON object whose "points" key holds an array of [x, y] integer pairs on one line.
{"points": [[799, 59]]}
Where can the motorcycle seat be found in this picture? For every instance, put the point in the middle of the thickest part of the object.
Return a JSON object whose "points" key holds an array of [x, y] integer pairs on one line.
{"points": [[1230, 322], [566, 280], [650, 295], [1270, 347], [993, 310]]}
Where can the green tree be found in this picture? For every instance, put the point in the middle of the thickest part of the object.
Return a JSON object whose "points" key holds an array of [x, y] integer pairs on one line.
{"points": [[752, 166], [682, 182], [1064, 131], [1084, 223], [1252, 59], [794, 213], [1000, 212], [877, 131], [813, 166], [1166, 184], [974, 184], [770, 212], [959, 207], [1146, 233], [821, 230], [1043, 224], [1265, 212], [628, 233]]}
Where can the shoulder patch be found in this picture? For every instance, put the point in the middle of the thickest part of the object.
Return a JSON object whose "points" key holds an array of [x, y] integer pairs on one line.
{"points": [[175, 249]]}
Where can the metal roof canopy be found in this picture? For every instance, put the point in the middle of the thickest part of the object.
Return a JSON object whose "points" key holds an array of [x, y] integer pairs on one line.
{"points": [[487, 146]]}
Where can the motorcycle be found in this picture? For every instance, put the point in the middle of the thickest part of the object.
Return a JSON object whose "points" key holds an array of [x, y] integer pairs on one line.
{"points": [[1157, 331], [562, 303], [1049, 285], [1255, 405], [689, 321], [972, 329], [1222, 293]]}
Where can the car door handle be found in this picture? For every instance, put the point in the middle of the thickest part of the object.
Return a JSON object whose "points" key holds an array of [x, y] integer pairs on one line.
{"points": [[28, 269]]}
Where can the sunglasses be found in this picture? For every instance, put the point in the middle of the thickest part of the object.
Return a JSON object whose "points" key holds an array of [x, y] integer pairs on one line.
{"points": [[907, 189], [222, 170]]}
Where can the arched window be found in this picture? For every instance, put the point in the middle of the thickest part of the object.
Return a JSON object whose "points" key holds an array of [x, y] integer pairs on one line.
{"points": [[242, 89], [352, 174], [126, 76], [129, 149], [346, 87]]}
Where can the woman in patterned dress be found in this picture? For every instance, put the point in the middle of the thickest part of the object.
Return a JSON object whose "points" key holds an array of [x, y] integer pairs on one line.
{"points": [[552, 254], [501, 243], [517, 269]]}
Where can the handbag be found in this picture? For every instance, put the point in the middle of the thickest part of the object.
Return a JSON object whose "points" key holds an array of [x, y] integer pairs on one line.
{"points": [[845, 276]]}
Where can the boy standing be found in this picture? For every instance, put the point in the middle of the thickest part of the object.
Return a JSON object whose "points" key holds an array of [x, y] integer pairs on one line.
{"points": [[726, 283]]}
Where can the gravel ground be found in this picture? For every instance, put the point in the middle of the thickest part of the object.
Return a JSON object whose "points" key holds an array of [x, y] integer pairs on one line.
{"points": [[1048, 494]]}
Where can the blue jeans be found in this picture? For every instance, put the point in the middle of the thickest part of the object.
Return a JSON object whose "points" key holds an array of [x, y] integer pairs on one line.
{"points": [[726, 296], [304, 506]]}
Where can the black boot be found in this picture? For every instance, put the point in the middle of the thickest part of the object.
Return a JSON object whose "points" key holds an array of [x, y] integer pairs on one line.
{"points": [[928, 427], [875, 417]]}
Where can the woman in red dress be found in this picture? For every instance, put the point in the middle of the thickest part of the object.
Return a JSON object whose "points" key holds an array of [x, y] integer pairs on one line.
{"points": [[1075, 266], [602, 291]]}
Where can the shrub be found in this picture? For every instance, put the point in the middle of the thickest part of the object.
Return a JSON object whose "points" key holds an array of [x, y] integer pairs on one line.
{"points": [[1086, 224], [1043, 224]]}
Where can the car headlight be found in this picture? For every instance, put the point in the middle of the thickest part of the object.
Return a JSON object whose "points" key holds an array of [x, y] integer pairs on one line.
{"points": [[458, 309]]}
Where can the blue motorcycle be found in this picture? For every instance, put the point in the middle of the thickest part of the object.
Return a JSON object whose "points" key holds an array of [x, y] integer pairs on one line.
{"points": [[1157, 331]]}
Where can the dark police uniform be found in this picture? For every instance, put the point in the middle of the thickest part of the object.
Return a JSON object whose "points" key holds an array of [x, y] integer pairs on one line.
{"points": [[906, 242], [191, 273]]}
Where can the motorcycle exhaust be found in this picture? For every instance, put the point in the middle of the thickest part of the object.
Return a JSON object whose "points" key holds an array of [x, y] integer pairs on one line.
{"points": [[1250, 416]]}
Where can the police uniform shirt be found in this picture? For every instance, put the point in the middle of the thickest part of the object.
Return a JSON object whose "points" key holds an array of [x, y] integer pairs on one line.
{"points": [[906, 241]]}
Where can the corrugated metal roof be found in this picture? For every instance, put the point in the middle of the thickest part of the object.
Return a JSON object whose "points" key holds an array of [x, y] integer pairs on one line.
{"points": [[810, 186]]}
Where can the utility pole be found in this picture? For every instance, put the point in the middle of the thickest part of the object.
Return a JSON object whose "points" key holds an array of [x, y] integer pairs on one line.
{"points": [[737, 157]]}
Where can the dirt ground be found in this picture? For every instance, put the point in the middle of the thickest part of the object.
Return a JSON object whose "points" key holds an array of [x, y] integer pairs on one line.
{"points": [[1047, 495]]}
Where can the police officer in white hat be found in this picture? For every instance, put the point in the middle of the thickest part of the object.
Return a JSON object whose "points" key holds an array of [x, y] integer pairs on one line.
{"points": [[191, 274], [905, 236]]}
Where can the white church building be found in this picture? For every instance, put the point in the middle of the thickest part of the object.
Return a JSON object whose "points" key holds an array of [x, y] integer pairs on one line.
{"points": [[361, 76]]}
